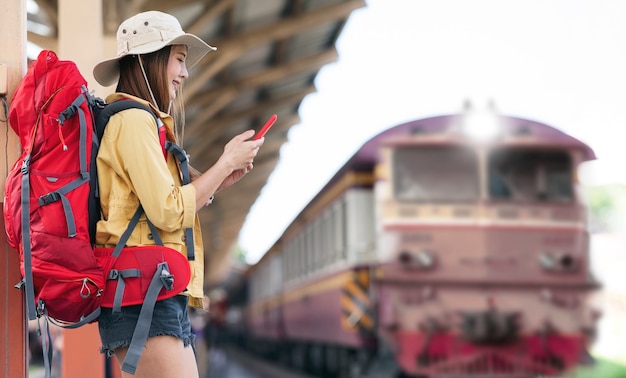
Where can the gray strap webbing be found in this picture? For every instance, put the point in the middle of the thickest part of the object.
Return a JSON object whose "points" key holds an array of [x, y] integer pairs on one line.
{"points": [[142, 329], [60, 193], [155, 233], [183, 159], [120, 275], [162, 278], [28, 259], [46, 345], [129, 230], [69, 112], [84, 320]]}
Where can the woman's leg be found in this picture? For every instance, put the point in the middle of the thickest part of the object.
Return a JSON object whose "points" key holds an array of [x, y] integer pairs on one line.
{"points": [[163, 356]]}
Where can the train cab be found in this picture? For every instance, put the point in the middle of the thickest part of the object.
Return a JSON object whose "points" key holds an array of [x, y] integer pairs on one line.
{"points": [[483, 247], [435, 251]]}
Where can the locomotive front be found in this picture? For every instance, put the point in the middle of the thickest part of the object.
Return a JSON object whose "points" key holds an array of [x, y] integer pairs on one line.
{"points": [[483, 249]]}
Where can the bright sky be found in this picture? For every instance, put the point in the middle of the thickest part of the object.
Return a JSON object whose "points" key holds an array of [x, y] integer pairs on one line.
{"points": [[562, 62]]}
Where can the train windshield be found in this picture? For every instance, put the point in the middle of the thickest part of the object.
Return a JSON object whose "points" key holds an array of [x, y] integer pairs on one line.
{"points": [[435, 174], [530, 175]]}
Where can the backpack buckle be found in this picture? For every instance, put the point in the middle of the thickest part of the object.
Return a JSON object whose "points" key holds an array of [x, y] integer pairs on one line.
{"points": [[49, 198], [41, 308], [114, 274], [167, 279], [25, 165]]}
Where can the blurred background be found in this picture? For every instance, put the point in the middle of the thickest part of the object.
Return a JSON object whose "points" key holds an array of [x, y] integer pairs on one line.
{"points": [[560, 62], [339, 72]]}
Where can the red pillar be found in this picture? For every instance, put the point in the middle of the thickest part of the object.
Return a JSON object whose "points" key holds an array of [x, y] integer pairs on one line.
{"points": [[13, 331]]}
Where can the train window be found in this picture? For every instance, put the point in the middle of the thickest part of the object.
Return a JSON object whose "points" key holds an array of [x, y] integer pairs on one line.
{"points": [[336, 233], [447, 173], [303, 255], [343, 230], [298, 254], [308, 235], [293, 259], [530, 174], [290, 259], [325, 240], [316, 241], [330, 236], [285, 266]]}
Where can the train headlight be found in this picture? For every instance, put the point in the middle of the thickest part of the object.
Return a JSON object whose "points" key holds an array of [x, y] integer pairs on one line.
{"points": [[563, 262], [481, 123], [421, 259]]}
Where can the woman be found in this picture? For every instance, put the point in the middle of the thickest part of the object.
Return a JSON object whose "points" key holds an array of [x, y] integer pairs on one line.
{"points": [[154, 54]]}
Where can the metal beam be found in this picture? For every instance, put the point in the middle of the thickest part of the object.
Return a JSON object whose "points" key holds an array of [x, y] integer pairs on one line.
{"points": [[235, 47]]}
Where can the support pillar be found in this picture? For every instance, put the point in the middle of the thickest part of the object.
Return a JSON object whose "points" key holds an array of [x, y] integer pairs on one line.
{"points": [[13, 326]]}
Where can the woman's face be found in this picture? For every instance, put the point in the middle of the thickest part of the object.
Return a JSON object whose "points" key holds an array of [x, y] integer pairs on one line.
{"points": [[176, 68]]}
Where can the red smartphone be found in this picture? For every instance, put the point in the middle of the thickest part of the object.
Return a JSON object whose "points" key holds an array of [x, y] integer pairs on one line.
{"points": [[266, 127]]}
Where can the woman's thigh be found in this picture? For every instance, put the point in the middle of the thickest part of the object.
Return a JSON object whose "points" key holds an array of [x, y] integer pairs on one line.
{"points": [[170, 343], [163, 356]]}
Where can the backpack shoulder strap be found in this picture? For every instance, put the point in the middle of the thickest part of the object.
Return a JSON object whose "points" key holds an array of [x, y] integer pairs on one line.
{"points": [[119, 105], [116, 107]]}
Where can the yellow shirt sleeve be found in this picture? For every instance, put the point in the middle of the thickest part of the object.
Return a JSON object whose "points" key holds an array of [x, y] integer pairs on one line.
{"points": [[138, 156]]}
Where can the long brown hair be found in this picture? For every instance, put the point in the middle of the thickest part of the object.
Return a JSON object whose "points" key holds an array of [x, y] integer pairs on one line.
{"points": [[132, 82]]}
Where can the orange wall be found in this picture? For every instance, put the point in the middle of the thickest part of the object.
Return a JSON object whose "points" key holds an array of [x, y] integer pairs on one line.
{"points": [[12, 315], [81, 356]]}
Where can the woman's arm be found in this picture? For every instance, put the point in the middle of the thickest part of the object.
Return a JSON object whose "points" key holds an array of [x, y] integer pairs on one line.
{"points": [[131, 147], [234, 163]]}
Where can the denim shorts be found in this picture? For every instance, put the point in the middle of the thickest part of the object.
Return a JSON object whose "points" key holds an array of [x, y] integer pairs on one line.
{"points": [[171, 318]]}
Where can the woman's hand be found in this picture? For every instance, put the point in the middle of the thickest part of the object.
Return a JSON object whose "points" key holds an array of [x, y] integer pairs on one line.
{"points": [[239, 152], [234, 177], [234, 163]]}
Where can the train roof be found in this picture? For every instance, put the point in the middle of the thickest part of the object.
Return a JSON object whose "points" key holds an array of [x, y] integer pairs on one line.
{"points": [[548, 135]]}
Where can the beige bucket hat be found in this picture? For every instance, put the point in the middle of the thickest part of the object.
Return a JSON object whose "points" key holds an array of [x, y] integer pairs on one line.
{"points": [[145, 33]]}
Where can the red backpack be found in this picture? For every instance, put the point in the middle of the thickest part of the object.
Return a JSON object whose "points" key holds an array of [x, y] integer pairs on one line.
{"points": [[51, 207]]}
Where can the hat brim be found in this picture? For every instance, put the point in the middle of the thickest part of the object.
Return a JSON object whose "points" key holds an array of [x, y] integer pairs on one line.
{"points": [[107, 72]]}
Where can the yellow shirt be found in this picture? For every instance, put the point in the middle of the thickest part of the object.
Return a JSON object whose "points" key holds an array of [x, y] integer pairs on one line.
{"points": [[132, 170]]}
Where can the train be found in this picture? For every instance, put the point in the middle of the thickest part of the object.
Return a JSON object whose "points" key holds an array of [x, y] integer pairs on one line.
{"points": [[455, 245]]}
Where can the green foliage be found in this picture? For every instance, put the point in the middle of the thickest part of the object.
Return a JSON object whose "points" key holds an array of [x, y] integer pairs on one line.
{"points": [[607, 206], [601, 369], [239, 255]]}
